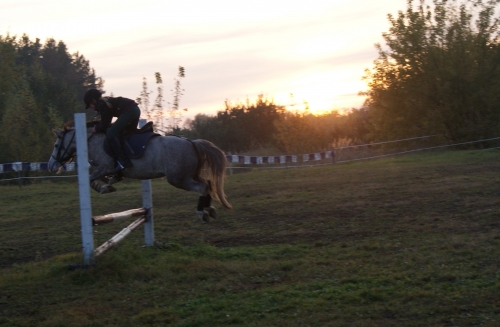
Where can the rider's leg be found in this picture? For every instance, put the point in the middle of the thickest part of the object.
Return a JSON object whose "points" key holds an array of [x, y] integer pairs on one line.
{"points": [[124, 122], [115, 144]]}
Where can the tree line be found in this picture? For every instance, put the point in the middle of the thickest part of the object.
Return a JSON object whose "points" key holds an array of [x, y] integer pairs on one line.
{"points": [[41, 87], [437, 73], [263, 124]]}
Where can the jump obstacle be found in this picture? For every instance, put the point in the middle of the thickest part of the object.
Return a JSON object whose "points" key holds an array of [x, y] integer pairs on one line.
{"points": [[86, 219]]}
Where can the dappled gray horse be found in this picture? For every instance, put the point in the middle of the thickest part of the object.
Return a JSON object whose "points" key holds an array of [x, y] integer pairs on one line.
{"points": [[181, 161]]}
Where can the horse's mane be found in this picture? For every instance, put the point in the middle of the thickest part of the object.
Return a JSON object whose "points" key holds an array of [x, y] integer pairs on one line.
{"points": [[68, 126]]}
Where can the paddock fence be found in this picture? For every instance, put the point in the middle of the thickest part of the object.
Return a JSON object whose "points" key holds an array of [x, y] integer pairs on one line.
{"points": [[19, 171]]}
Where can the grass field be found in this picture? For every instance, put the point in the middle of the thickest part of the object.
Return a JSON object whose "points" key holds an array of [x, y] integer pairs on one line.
{"points": [[407, 241]]}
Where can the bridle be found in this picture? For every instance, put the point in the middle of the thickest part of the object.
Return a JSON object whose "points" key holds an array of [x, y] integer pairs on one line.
{"points": [[65, 156]]}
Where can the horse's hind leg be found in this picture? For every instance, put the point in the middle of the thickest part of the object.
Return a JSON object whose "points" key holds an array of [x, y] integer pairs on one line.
{"points": [[207, 201], [211, 210], [200, 209], [204, 210]]}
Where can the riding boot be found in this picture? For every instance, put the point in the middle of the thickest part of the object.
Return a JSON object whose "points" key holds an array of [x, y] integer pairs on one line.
{"points": [[121, 159]]}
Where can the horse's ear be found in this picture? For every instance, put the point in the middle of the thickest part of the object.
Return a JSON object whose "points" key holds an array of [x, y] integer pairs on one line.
{"points": [[58, 133]]}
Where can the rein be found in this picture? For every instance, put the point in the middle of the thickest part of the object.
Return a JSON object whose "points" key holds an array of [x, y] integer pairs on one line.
{"points": [[65, 158], [62, 159]]}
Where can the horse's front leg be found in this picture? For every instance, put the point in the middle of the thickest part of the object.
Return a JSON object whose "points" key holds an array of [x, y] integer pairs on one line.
{"points": [[96, 177], [98, 173], [118, 177], [108, 188]]}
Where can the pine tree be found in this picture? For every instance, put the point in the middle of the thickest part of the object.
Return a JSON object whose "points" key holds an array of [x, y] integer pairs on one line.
{"points": [[41, 85], [27, 137]]}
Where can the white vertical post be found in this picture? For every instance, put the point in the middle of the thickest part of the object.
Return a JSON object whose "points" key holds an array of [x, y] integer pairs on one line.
{"points": [[84, 188], [147, 202]]}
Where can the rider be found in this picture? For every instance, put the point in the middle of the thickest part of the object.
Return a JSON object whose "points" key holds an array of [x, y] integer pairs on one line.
{"points": [[128, 114]]}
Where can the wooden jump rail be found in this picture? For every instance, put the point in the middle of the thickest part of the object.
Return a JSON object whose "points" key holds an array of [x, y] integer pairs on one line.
{"points": [[86, 219], [109, 218]]}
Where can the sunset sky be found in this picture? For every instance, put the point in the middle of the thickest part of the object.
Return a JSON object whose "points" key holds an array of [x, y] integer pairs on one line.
{"points": [[316, 50]]}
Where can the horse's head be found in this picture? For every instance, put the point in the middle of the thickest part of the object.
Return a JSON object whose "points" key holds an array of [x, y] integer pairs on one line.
{"points": [[64, 148]]}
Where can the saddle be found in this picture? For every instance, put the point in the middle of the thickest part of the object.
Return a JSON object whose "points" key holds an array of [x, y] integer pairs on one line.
{"points": [[134, 143]]}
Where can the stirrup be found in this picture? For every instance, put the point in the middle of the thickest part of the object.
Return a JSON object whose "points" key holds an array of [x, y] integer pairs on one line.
{"points": [[117, 170], [124, 163]]}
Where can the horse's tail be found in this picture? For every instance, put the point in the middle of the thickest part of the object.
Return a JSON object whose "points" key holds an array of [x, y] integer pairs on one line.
{"points": [[212, 161]]}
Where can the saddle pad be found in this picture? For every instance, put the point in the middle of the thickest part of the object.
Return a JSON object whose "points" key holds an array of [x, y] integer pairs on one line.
{"points": [[133, 145]]}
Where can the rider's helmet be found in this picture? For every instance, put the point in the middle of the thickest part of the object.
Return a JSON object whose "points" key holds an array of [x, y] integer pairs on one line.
{"points": [[92, 94]]}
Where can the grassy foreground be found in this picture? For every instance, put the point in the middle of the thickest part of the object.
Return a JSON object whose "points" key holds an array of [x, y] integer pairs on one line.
{"points": [[406, 241]]}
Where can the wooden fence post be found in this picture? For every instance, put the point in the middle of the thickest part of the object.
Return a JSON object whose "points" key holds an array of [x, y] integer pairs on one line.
{"points": [[147, 203], [84, 188]]}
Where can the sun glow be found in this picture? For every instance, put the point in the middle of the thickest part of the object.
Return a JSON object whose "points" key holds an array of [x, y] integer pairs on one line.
{"points": [[322, 91]]}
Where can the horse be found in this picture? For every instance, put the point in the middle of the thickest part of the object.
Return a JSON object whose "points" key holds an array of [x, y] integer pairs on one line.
{"points": [[180, 160]]}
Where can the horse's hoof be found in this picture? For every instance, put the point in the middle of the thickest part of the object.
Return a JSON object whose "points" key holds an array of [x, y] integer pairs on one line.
{"points": [[203, 216], [107, 189], [211, 212], [104, 190], [95, 186], [115, 179]]}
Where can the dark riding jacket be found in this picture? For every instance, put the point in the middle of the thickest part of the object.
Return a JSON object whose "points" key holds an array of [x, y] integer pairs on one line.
{"points": [[109, 107]]}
